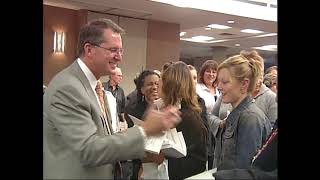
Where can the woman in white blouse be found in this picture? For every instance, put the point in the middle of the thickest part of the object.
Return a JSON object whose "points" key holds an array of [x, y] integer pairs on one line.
{"points": [[207, 89]]}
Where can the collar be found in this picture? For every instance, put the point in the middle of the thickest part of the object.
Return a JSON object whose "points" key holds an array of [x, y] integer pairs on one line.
{"points": [[263, 89], [234, 114], [205, 88], [87, 72], [109, 85]]}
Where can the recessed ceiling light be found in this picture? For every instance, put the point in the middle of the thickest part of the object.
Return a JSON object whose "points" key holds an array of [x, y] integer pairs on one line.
{"points": [[182, 33], [202, 38], [266, 35], [252, 31], [218, 26], [267, 47], [270, 46], [240, 8], [208, 42], [230, 21], [237, 44], [207, 28]]}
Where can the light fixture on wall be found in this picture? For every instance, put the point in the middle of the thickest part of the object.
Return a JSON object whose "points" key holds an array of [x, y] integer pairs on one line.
{"points": [[59, 42]]}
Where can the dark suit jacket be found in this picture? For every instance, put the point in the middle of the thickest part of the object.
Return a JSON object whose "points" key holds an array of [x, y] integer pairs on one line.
{"points": [[76, 144]]}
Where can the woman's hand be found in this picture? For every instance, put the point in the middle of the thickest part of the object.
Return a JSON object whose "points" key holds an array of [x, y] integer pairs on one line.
{"points": [[156, 158], [222, 124]]}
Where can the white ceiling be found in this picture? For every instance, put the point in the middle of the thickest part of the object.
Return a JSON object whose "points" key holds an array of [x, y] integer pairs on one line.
{"points": [[192, 21]]}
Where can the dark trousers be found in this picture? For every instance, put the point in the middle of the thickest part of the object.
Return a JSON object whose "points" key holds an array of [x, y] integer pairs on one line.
{"points": [[210, 162], [127, 168], [136, 164]]}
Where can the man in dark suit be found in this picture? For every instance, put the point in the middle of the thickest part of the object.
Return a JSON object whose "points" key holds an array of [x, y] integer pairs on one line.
{"points": [[77, 142]]}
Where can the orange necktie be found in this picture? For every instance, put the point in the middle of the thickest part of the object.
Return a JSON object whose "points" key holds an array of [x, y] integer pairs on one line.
{"points": [[99, 90], [100, 93]]}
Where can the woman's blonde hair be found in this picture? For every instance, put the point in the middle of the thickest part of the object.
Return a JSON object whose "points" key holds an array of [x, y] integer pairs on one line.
{"points": [[177, 86], [245, 65], [254, 55]]}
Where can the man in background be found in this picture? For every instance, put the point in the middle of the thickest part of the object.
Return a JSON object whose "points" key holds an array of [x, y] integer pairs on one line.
{"points": [[113, 86]]}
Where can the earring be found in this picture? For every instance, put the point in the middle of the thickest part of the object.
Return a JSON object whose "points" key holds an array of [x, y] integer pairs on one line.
{"points": [[142, 98]]}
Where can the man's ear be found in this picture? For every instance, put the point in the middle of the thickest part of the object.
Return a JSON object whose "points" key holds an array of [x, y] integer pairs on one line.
{"points": [[87, 49]]}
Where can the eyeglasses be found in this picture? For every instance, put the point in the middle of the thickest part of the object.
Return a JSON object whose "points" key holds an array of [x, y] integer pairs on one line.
{"points": [[112, 50]]}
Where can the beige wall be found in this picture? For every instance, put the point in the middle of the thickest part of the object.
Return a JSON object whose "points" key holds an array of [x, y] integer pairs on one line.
{"points": [[134, 43], [135, 50], [147, 44], [61, 19], [163, 43]]}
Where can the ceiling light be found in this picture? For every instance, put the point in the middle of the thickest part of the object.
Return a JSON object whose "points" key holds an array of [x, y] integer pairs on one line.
{"points": [[237, 44], [207, 42], [182, 33], [267, 35], [270, 46], [180, 3], [230, 21], [252, 31], [267, 47], [218, 26], [202, 38], [237, 8]]}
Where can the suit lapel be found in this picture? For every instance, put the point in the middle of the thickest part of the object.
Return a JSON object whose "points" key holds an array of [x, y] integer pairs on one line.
{"points": [[77, 72]]}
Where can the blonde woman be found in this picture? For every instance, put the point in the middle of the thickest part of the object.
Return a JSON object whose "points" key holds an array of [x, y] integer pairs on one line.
{"points": [[246, 126]]}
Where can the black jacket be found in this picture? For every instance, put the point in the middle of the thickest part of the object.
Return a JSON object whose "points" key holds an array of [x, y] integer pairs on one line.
{"points": [[195, 135]]}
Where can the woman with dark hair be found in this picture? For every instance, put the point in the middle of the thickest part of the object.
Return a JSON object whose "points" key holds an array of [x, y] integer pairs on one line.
{"points": [[147, 85], [207, 90], [147, 91]]}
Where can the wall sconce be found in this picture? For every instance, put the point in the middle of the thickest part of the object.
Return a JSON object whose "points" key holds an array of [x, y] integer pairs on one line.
{"points": [[58, 42]]}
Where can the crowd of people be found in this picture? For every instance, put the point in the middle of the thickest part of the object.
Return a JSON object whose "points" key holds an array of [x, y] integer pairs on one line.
{"points": [[227, 113]]}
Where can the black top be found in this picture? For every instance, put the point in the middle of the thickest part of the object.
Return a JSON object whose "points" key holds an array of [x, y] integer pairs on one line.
{"points": [[203, 112], [195, 135], [118, 93], [135, 109], [132, 97]]}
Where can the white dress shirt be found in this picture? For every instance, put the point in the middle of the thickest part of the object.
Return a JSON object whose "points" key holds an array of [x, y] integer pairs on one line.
{"points": [[208, 98], [91, 78], [93, 83]]}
